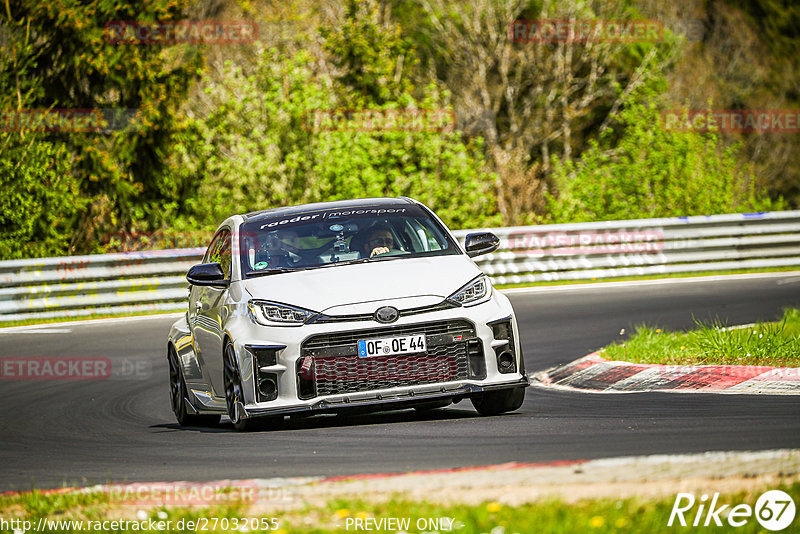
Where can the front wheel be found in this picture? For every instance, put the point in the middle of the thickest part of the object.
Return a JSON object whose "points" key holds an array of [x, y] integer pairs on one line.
{"points": [[500, 401], [178, 392]]}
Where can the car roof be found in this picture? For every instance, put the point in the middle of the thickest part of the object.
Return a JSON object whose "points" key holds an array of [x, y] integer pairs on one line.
{"points": [[334, 205]]}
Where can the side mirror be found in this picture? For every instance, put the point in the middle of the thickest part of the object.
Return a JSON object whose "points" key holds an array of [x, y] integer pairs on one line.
{"points": [[482, 243], [207, 274]]}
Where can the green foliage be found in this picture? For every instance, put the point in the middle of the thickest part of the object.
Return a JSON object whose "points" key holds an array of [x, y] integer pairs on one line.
{"points": [[437, 169], [256, 148], [243, 141], [374, 60], [58, 57], [248, 149], [39, 198], [652, 171]]}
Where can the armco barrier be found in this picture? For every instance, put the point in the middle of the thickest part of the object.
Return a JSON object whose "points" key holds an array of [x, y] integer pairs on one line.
{"points": [[155, 280], [102, 283], [643, 247]]}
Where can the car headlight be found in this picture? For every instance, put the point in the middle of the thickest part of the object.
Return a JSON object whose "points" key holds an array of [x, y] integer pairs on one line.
{"points": [[272, 313], [474, 292]]}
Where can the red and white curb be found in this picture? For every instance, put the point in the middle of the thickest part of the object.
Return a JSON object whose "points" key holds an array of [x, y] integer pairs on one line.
{"points": [[595, 374]]}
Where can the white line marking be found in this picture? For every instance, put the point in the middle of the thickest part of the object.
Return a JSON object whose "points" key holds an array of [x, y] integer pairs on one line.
{"points": [[737, 327], [584, 374], [650, 376], [89, 322], [658, 281], [44, 331]]}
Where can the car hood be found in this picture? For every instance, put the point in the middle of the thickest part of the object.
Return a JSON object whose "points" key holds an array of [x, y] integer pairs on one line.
{"points": [[342, 289]]}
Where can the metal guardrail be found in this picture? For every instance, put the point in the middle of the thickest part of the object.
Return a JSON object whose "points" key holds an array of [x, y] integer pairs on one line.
{"points": [[101, 283], [155, 280], [643, 247]]}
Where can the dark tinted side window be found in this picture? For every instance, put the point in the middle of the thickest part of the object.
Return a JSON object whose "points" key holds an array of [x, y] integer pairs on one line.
{"points": [[211, 247], [219, 251], [223, 253]]}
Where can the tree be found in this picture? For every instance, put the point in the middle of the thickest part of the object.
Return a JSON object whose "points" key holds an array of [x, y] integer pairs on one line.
{"points": [[369, 54], [253, 144], [60, 58], [652, 171], [531, 100], [39, 198]]}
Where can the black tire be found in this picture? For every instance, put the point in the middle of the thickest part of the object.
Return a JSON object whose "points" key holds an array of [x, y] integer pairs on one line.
{"points": [[177, 390], [234, 396], [500, 401]]}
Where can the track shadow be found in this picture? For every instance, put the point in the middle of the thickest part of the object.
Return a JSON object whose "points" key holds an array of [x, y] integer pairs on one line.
{"points": [[294, 423]]}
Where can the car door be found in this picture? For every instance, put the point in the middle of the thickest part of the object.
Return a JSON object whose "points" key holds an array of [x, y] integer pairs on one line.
{"points": [[195, 292], [210, 314]]}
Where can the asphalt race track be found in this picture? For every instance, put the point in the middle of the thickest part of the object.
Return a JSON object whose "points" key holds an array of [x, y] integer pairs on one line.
{"points": [[122, 429]]}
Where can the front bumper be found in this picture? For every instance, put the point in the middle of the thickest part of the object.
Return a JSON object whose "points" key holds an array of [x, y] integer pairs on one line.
{"points": [[386, 399], [292, 348]]}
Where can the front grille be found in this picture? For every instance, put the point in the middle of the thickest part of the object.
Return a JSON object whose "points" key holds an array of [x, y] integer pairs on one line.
{"points": [[329, 363]]}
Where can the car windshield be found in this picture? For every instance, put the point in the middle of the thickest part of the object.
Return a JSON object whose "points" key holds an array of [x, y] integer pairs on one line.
{"points": [[320, 238]]}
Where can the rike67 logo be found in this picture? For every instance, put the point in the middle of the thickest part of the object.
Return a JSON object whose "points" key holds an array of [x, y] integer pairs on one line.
{"points": [[774, 510]]}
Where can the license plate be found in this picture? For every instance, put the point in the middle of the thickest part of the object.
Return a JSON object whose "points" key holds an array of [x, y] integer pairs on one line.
{"points": [[389, 346]]}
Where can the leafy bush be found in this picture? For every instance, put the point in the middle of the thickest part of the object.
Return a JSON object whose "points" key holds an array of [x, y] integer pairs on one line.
{"points": [[55, 55], [652, 172], [39, 198], [250, 146]]}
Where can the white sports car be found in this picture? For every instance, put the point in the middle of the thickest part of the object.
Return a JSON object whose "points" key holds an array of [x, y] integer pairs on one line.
{"points": [[336, 306]]}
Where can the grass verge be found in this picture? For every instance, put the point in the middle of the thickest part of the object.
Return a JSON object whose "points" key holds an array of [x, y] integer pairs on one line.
{"points": [[715, 343], [551, 516], [29, 322]]}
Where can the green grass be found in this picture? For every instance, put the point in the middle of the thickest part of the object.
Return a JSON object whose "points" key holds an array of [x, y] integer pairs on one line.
{"points": [[599, 516], [546, 516], [713, 343], [101, 506], [649, 277]]}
